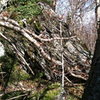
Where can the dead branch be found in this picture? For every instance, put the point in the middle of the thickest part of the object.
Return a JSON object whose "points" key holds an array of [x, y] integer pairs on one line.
{"points": [[30, 38], [18, 53], [48, 45], [16, 97]]}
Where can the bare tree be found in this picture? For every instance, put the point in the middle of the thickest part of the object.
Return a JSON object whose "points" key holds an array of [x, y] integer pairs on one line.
{"points": [[80, 16]]}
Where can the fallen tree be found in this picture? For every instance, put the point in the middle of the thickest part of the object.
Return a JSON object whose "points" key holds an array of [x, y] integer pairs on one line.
{"points": [[39, 47]]}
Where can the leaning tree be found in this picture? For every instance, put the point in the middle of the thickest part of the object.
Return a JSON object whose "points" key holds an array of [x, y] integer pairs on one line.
{"points": [[92, 91]]}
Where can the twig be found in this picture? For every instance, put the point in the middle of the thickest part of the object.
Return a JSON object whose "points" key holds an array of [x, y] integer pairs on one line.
{"points": [[14, 98], [63, 73], [2, 72], [68, 80], [77, 76], [57, 38]]}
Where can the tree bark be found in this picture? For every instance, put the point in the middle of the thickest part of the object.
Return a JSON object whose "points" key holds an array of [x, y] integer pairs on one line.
{"points": [[92, 90]]}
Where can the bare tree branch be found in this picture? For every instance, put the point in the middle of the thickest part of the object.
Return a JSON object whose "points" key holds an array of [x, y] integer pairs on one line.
{"points": [[25, 32]]}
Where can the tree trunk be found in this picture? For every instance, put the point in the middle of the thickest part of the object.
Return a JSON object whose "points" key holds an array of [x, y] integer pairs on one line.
{"points": [[92, 90]]}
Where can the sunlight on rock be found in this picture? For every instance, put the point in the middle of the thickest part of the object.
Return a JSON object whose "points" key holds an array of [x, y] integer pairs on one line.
{"points": [[2, 52]]}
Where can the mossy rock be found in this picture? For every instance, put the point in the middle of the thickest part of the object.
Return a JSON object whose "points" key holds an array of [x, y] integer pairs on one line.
{"points": [[18, 74], [70, 97], [48, 93], [21, 9]]}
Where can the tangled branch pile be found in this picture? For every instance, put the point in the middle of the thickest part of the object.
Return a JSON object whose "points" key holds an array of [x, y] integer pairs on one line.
{"points": [[38, 47]]}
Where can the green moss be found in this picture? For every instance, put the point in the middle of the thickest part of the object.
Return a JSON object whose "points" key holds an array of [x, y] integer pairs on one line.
{"points": [[10, 66], [24, 75], [70, 97], [51, 94], [8, 62], [19, 74], [33, 1], [54, 85], [28, 11], [20, 9], [48, 93], [53, 91]]}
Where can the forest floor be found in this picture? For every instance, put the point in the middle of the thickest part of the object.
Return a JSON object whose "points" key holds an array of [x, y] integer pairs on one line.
{"points": [[40, 91], [22, 87]]}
